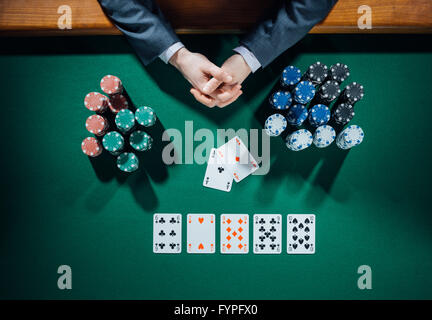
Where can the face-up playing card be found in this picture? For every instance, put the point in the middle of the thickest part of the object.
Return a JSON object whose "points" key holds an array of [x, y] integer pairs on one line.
{"points": [[234, 233], [301, 234], [201, 233], [218, 175], [167, 233], [267, 233], [235, 154]]}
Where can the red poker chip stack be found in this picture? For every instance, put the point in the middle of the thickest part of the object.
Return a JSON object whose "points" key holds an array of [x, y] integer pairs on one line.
{"points": [[111, 85], [91, 147], [117, 102], [97, 102], [97, 124]]}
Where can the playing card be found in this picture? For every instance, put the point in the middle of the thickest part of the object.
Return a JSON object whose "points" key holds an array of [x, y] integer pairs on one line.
{"points": [[301, 233], [267, 233], [167, 233], [235, 154], [201, 233], [218, 175], [234, 233]]}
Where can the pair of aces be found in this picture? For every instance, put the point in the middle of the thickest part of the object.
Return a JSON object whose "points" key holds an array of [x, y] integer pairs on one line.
{"points": [[234, 232], [232, 161]]}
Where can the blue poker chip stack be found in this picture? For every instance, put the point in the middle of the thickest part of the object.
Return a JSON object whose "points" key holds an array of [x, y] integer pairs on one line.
{"points": [[290, 76], [299, 140], [304, 92], [324, 136], [275, 125], [280, 100], [297, 114], [319, 115]]}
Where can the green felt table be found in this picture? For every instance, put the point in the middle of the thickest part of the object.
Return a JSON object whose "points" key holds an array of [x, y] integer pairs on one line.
{"points": [[57, 207]]}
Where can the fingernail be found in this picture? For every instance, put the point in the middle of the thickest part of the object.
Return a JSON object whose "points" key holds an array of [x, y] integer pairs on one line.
{"points": [[229, 78]]}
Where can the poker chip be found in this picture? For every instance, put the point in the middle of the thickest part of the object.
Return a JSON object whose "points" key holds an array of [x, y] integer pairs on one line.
{"points": [[329, 91], [111, 85], [95, 101], [91, 147], [275, 125], [118, 102], [125, 120], [353, 92], [299, 140], [290, 76], [280, 100], [319, 114], [343, 113], [97, 124], [113, 142], [127, 162], [140, 140], [297, 114], [339, 72], [304, 92], [145, 116], [316, 73], [350, 137], [324, 136]]}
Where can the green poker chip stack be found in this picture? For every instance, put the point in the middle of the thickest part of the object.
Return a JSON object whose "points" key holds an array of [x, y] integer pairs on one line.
{"points": [[113, 142], [127, 162], [145, 116], [140, 140], [125, 120]]}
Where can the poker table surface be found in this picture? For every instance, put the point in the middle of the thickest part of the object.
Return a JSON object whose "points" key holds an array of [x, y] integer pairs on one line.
{"points": [[58, 207]]}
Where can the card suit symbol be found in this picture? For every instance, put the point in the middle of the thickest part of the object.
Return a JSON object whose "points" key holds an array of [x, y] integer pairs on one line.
{"points": [[240, 246], [267, 234], [228, 221], [240, 238], [200, 246], [228, 246], [272, 246], [262, 238], [201, 220], [294, 237], [294, 229], [295, 221], [240, 229], [307, 245], [261, 246], [240, 221], [272, 221], [262, 229], [234, 233], [161, 233], [306, 221], [228, 237], [306, 229], [220, 169], [301, 241], [272, 238], [172, 220], [172, 233], [172, 245], [295, 245], [161, 245], [161, 220], [307, 237], [228, 229], [262, 221], [301, 226], [272, 229]]}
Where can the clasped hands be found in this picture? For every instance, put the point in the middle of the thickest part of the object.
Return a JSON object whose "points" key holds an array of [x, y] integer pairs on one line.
{"points": [[212, 85]]}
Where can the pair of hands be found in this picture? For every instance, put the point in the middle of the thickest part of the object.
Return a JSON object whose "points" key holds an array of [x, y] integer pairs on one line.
{"points": [[212, 85]]}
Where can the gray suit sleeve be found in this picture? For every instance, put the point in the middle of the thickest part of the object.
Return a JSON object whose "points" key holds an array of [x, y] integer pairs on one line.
{"points": [[291, 23], [143, 24]]}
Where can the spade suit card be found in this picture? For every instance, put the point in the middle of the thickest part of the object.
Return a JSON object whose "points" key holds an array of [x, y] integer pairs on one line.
{"points": [[201, 233], [167, 233], [267, 233], [218, 175], [234, 230], [236, 155], [301, 233]]}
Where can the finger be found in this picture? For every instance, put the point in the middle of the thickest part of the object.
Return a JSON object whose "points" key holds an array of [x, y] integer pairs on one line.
{"points": [[219, 74], [211, 86], [225, 93], [224, 104], [205, 100]]}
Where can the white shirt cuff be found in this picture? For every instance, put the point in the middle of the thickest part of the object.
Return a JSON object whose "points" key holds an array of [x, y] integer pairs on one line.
{"points": [[249, 57], [168, 53]]}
